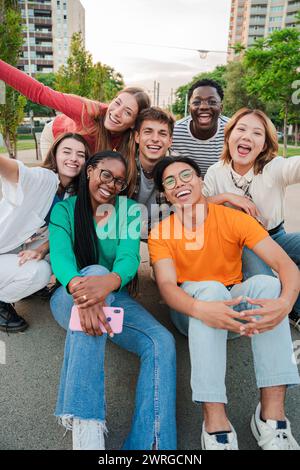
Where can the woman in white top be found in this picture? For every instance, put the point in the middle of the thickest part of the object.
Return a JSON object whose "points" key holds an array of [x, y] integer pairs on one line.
{"points": [[28, 195], [252, 177]]}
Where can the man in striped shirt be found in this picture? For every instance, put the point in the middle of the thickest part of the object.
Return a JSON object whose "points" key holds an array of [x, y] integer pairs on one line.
{"points": [[200, 135]]}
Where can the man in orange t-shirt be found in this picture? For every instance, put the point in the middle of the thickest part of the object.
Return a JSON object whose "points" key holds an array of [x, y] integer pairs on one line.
{"points": [[196, 254]]}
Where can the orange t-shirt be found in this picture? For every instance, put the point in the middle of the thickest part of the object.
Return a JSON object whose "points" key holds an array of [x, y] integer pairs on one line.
{"points": [[211, 253]]}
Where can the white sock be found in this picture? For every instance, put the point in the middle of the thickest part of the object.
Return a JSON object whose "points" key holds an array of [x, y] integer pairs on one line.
{"points": [[88, 434]]}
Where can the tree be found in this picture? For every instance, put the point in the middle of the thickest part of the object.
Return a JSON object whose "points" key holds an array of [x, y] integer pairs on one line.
{"points": [[218, 75], [76, 76], [272, 68], [236, 95], [47, 79], [81, 77], [106, 82], [11, 40]]}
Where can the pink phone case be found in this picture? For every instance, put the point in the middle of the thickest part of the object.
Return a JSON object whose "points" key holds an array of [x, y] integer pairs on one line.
{"points": [[114, 316]]}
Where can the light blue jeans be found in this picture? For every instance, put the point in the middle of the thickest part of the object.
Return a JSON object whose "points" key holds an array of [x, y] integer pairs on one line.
{"points": [[272, 350], [252, 264], [81, 389]]}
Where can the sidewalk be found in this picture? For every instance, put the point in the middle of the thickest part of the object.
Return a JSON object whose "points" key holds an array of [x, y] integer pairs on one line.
{"points": [[29, 379]]}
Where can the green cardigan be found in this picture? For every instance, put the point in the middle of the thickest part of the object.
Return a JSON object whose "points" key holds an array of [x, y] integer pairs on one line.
{"points": [[119, 240]]}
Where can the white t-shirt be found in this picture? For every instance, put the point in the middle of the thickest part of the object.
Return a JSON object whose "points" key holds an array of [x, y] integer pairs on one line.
{"points": [[25, 204], [203, 152], [267, 189]]}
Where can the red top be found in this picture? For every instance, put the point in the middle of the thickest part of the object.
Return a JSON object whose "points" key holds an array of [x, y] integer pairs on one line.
{"points": [[70, 105]]}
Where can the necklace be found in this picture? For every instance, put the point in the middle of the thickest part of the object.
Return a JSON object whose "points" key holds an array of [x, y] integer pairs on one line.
{"points": [[244, 187], [148, 174]]}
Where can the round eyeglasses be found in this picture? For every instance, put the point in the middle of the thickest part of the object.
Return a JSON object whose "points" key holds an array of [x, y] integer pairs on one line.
{"points": [[106, 176], [185, 176]]}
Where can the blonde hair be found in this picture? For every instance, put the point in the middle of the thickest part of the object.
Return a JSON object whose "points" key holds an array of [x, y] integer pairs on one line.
{"points": [[271, 141], [97, 130]]}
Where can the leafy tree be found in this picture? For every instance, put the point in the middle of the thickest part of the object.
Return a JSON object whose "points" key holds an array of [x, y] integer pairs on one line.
{"points": [[77, 76], [218, 75], [11, 40], [81, 77], [106, 82], [236, 95], [272, 67]]}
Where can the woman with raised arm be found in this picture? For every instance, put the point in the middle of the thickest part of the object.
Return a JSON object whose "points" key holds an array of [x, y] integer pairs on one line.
{"points": [[28, 197], [103, 126]]}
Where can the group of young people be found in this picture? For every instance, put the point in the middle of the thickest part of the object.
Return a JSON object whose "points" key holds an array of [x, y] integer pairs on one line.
{"points": [[112, 174]]}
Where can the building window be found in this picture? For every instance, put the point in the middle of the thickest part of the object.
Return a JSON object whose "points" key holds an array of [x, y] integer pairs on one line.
{"points": [[275, 18]]}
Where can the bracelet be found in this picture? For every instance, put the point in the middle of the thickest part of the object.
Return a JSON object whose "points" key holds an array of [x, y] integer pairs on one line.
{"points": [[117, 276]]}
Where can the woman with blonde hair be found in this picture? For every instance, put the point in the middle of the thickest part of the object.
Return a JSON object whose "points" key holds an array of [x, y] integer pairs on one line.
{"points": [[251, 177], [103, 126]]}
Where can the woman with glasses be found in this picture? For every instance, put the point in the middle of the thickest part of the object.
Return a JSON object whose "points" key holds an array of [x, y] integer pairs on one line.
{"points": [[94, 250], [103, 126], [251, 176]]}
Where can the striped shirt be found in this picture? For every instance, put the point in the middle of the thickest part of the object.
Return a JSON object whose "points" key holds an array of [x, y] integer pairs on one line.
{"points": [[203, 152]]}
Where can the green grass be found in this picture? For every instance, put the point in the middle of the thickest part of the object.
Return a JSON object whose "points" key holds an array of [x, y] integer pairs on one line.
{"points": [[290, 151], [30, 145], [21, 145]]}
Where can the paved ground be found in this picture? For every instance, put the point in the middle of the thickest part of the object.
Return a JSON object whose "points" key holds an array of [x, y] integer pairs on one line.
{"points": [[28, 380]]}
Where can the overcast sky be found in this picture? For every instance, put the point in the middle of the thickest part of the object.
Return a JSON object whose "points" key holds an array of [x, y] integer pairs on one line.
{"points": [[192, 24]]}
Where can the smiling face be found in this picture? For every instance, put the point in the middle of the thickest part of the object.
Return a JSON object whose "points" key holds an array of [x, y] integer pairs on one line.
{"points": [[188, 185], [101, 191], [205, 108], [246, 142], [70, 159], [121, 113], [154, 140]]}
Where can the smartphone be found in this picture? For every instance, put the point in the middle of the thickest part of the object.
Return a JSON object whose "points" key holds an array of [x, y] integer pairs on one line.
{"points": [[114, 316]]}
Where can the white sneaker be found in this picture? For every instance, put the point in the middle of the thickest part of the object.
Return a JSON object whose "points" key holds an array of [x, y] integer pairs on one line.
{"points": [[273, 435], [225, 441]]}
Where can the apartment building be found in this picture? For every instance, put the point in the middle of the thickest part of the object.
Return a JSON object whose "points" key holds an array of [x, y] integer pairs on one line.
{"points": [[253, 19], [48, 26]]}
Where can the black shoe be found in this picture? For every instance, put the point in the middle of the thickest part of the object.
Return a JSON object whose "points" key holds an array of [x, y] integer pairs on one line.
{"points": [[294, 319], [10, 321]]}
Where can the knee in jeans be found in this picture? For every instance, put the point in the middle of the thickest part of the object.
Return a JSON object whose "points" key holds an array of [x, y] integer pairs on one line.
{"points": [[162, 345], [269, 284], [94, 270], [167, 344], [213, 290]]}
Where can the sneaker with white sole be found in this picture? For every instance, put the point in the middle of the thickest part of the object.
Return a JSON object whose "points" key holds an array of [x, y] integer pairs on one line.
{"points": [[272, 434], [223, 441]]}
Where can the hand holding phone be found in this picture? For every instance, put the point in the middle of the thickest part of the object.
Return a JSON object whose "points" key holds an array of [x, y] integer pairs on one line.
{"points": [[114, 316]]}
